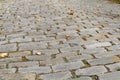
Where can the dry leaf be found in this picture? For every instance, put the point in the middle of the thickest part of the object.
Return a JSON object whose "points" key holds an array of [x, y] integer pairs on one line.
{"points": [[38, 18], [2, 55], [38, 53], [70, 12], [1, 6]]}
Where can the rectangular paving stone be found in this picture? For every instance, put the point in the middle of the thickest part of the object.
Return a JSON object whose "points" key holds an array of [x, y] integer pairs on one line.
{"points": [[94, 70], [67, 66], [66, 54], [20, 40], [96, 45], [105, 60], [18, 76], [114, 47], [38, 57], [114, 67], [54, 61], [2, 65], [38, 70], [56, 76], [47, 51], [93, 51], [14, 59], [32, 46], [71, 49], [24, 64], [82, 78], [79, 57], [15, 35], [6, 71], [107, 54], [110, 76], [8, 48], [19, 54]]}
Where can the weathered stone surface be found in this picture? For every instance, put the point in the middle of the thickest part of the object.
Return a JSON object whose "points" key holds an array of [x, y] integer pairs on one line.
{"points": [[24, 64], [38, 57], [110, 76], [32, 46], [103, 61], [38, 70], [67, 66], [95, 70], [56, 76], [114, 67], [19, 54], [18, 76], [103, 44], [6, 71], [8, 48], [82, 78]]}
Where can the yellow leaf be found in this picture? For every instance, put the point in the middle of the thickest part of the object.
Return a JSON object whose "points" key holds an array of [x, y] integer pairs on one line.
{"points": [[2, 55], [1, 6], [38, 18], [38, 53]]}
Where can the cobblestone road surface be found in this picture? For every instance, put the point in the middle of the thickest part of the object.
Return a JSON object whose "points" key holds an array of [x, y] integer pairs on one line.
{"points": [[59, 40]]}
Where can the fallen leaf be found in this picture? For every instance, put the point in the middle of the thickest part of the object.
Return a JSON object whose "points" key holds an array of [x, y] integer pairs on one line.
{"points": [[38, 18], [38, 53], [1, 6], [2, 55], [71, 12]]}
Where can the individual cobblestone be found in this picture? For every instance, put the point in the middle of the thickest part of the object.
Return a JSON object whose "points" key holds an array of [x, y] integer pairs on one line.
{"points": [[38, 70], [110, 76], [32, 46], [67, 66], [8, 48], [56, 76], [95, 70], [18, 76], [24, 64], [82, 78], [6, 71], [106, 60]]}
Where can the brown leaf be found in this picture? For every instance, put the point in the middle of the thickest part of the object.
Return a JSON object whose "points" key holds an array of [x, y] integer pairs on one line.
{"points": [[2, 55], [71, 12]]}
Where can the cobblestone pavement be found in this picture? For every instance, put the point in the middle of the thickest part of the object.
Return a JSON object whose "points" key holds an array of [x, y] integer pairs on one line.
{"points": [[59, 40]]}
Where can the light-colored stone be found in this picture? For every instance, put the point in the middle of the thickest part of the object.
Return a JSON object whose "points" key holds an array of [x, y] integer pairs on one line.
{"points": [[95, 70], [67, 66], [110, 76], [56, 76], [114, 67], [105, 60], [18, 76], [38, 70], [97, 45], [24, 64]]}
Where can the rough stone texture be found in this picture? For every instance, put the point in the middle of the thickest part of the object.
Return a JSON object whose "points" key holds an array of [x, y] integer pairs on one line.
{"points": [[56, 76], [98, 45], [67, 66], [82, 78], [105, 60], [56, 37], [38, 70], [6, 71], [114, 67], [24, 64], [32, 46], [110, 76], [18, 76], [95, 70], [8, 48]]}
